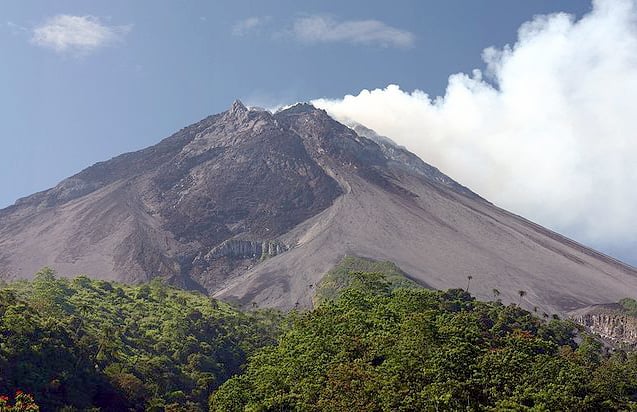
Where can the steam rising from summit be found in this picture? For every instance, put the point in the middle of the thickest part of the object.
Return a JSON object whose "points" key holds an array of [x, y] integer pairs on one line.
{"points": [[547, 130]]}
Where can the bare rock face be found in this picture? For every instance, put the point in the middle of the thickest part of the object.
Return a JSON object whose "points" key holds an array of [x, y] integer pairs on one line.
{"points": [[235, 248], [253, 206], [610, 322]]}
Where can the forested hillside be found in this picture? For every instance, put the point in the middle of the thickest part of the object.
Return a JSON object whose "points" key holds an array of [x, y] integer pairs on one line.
{"points": [[87, 343], [80, 344], [377, 349]]}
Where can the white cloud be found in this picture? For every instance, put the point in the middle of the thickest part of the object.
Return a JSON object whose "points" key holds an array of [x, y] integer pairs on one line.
{"points": [[552, 135], [321, 29], [243, 27], [76, 34]]}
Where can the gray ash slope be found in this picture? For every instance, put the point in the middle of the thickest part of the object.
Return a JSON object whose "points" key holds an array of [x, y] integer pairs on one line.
{"points": [[256, 207]]}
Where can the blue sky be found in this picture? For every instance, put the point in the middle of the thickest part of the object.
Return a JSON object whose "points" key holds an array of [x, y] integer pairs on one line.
{"points": [[177, 62], [83, 81]]}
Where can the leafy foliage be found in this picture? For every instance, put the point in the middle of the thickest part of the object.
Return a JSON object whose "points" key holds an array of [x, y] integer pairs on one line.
{"points": [[339, 278], [629, 305], [86, 343], [377, 349], [81, 344]]}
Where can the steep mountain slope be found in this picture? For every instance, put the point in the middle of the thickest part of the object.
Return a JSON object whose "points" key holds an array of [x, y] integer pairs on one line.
{"points": [[256, 207]]}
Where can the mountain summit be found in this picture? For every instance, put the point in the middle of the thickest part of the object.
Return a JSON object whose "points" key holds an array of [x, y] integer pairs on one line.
{"points": [[256, 207]]}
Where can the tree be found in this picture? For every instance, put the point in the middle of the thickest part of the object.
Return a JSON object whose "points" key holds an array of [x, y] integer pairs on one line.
{"points": [[49, 293], [522, 294]]}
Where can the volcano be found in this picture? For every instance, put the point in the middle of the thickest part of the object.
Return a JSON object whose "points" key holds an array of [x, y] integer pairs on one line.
{"points": [[253, 206]]}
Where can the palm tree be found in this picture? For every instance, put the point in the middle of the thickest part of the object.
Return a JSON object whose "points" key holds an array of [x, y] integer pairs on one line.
{"points": [[522, 294], [469, 282], [496, 293]]}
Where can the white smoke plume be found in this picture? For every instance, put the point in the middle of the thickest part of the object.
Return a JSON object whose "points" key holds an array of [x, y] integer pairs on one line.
{"points": [[547, 130]]}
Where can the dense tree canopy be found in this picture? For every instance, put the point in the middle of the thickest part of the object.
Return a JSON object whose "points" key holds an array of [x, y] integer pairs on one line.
{"points": [[86, 343], [377, 349], [379, 344]]}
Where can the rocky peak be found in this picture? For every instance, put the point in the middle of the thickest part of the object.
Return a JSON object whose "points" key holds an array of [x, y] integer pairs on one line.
{"points": [[237, 113], [306, 116], [234, 127], [331, 141], [300, 108], [237, 107]]}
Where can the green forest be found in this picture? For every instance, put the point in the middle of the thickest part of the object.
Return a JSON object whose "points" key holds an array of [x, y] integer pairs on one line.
{"points": [[83, 344]]}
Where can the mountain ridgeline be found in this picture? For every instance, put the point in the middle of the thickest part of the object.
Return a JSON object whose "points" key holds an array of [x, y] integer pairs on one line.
{"points": [[255, 207]]}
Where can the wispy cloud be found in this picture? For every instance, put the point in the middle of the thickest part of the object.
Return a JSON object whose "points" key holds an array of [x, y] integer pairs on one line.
{"points": [[246, 26], [16, 29], [322, 29], [76, 34]]}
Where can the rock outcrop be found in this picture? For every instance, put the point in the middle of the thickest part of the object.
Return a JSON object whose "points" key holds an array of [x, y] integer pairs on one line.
{"points": [[243, 249], [610, 322]]}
